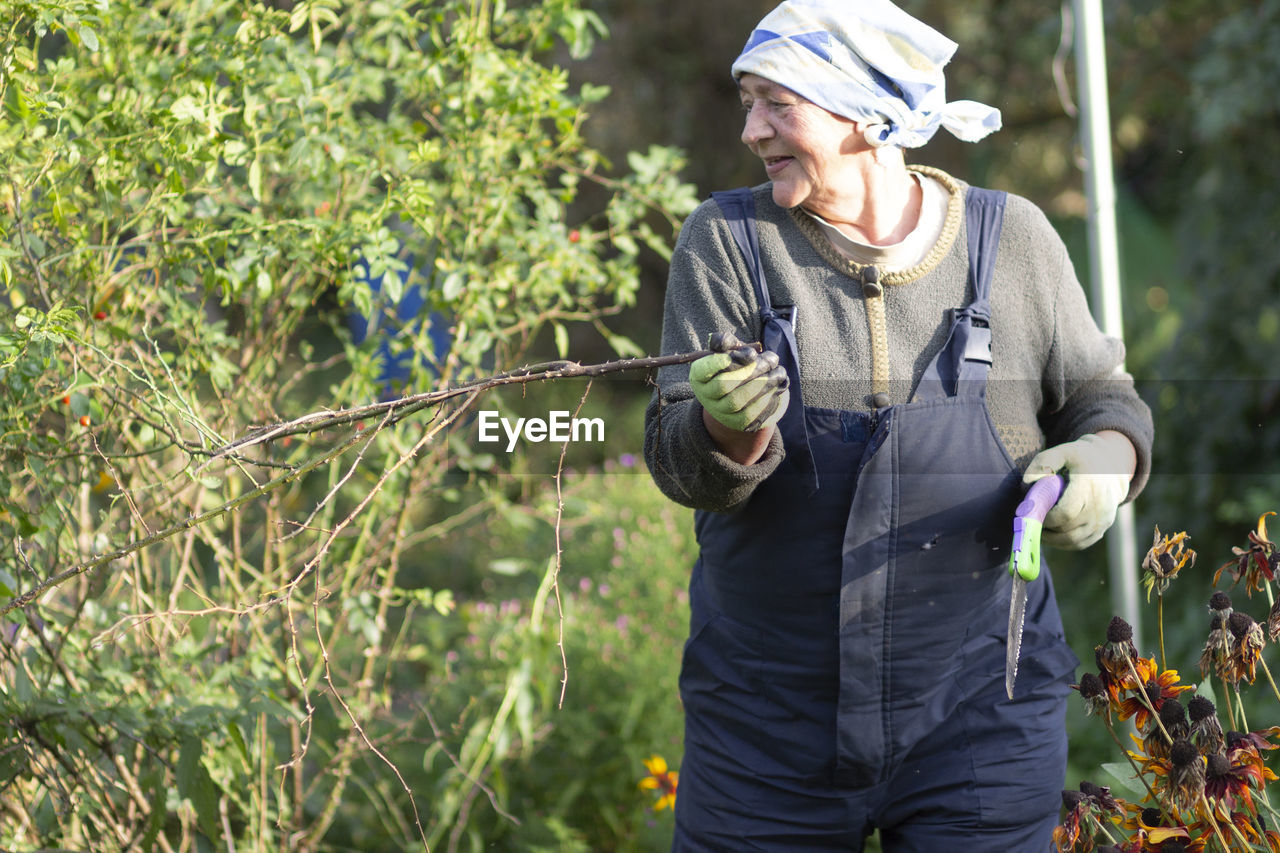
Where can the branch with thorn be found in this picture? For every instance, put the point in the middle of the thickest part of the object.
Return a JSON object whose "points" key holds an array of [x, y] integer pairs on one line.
{"points": [[386, 413]]}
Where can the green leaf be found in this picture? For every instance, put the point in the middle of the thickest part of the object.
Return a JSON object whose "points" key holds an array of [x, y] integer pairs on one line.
{"points": [[89, 38], [1125, 778], [26, 526], [186, 108], [356, 292], [452, 286], [196, 785], [540, 597], [624, 346], [22, 686], [443, 602], [562, 340], [626, 244], [510, 566], [237, 738], [158, 813], [393, 287], [13, 760], [255, 177]]}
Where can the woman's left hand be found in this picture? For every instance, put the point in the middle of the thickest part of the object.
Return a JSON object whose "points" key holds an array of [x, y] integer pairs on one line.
{"points": [[1098, 469]]}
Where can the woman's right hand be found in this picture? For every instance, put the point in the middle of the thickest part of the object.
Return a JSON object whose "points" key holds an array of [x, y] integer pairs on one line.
{"points": [[741, 389]]}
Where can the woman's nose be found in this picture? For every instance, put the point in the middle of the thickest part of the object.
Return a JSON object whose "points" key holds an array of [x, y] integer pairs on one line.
{"points": [[756, 127]]}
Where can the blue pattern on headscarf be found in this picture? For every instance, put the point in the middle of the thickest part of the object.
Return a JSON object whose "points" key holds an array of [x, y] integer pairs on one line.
{"points": [[817, 42]]}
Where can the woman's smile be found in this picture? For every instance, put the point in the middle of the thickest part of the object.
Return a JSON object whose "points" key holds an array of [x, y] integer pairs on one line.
{"points": [[774, 165]]}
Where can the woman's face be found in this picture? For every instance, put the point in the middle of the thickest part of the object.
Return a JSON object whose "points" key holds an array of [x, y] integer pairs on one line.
{"points": [[805, 149]]}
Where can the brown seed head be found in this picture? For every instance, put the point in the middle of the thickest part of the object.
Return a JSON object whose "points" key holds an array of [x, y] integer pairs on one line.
{"points": [[1200, 708], [1183, 753], [1119, 631]]}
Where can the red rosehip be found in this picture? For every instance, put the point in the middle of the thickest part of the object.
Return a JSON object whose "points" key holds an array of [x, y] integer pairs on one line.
{"points": [[99, 315], [575, 235], [66, 399], [84, 420]]}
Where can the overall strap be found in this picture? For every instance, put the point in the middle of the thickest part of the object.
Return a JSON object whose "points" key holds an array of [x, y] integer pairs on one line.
{"points": [[777, 328], [984, 218], [962, 365], [739, 209]]}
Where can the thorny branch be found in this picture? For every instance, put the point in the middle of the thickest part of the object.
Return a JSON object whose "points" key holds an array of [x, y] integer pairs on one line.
{"points": [[387, 413], [559, 558], [398, 409]]}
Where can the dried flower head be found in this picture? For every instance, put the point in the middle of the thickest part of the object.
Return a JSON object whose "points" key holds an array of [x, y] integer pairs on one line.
{"points": [[1099, 797], [1206, 728], [1094, 693], [1114, 656], [1186, 773], [1119, 631], [1114, 684], [1173, 715], [1220, 602], [1246, 647], [1273, 622], [1252, 742], [1255, 564], [1216, 656], [1225, 783], [1173, 719], [1167, 556], [1082, 810]]}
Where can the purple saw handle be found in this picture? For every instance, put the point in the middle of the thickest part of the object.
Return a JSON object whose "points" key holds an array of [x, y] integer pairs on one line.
{"points": [[1041, 497], [1024, 561]]}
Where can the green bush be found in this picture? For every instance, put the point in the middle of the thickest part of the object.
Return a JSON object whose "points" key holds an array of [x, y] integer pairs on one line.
{"points": [[218, 541]]}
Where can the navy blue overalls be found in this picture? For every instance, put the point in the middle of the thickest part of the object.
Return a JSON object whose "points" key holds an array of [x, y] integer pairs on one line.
{"points": [[845, 664]]}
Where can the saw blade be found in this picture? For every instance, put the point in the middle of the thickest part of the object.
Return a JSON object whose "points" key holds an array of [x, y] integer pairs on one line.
{"points": [[1013, 647]]}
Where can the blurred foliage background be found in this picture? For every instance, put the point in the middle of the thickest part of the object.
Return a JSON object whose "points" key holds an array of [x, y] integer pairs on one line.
{"points": [[357, 638]]}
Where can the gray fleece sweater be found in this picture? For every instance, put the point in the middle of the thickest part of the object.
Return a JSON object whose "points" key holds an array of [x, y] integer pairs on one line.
{"points": [[1055, 376]]}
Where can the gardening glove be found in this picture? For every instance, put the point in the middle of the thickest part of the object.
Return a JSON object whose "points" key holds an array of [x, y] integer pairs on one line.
{"points": [[743, 389], [1096, 485]]}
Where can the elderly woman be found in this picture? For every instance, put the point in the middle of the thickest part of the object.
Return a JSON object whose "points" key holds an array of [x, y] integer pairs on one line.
{"points": [[927, 350]]}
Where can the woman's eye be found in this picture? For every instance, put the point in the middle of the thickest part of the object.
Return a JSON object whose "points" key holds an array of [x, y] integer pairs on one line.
{"points": [[769, 103]]}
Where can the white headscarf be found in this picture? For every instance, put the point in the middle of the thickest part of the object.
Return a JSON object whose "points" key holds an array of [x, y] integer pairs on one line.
{"points": [[866, 60]]}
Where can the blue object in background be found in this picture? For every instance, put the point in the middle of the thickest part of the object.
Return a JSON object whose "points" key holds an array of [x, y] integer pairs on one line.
{"points": [[388, 322]]}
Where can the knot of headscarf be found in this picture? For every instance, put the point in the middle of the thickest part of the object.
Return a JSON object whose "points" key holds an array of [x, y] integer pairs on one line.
{"points": [[868, 61]]}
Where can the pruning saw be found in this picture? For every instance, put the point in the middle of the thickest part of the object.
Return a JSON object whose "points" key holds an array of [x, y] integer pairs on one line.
{"points": [[1024, 562]]}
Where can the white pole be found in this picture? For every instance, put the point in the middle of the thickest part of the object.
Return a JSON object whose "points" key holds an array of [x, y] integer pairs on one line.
{"points": [[1104, 264]]}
